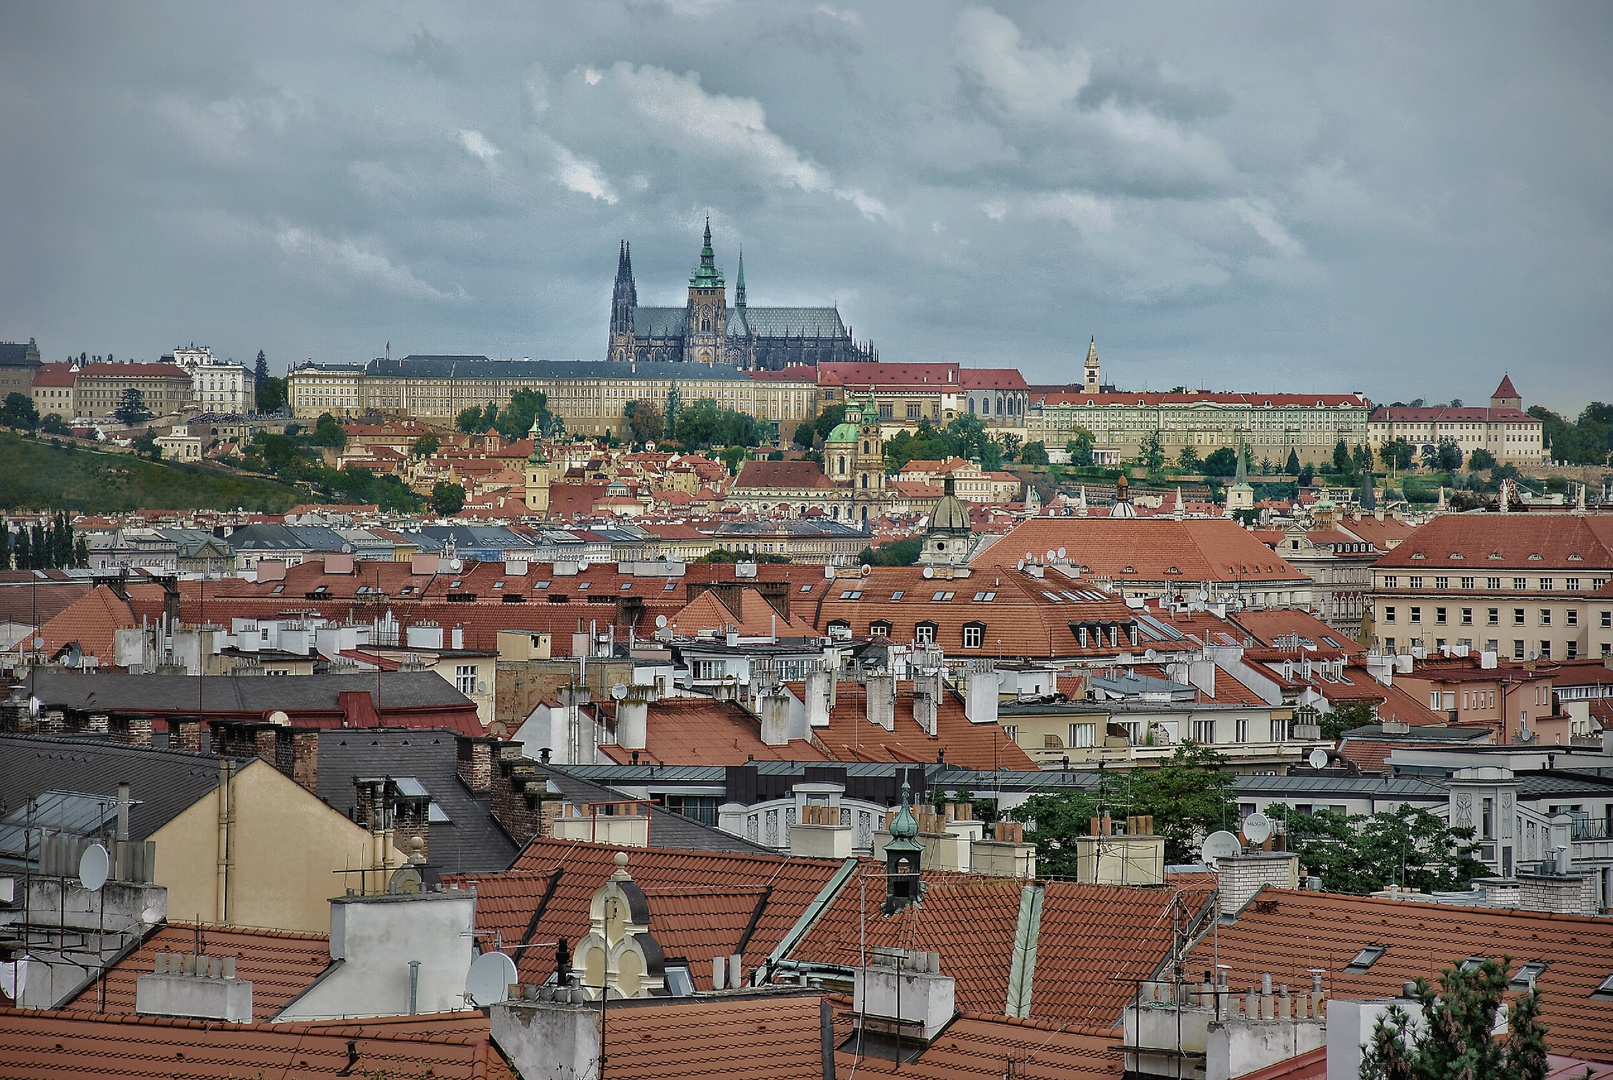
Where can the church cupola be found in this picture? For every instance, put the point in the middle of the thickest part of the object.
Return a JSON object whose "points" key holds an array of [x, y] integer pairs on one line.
{"points": [[904, 857]]}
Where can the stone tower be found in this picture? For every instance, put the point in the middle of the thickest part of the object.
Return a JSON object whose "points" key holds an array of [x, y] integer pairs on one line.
{"points": [[706, 323], [904, 858], [538, 475], [623, 299], [1093, 373], [854, 458]]}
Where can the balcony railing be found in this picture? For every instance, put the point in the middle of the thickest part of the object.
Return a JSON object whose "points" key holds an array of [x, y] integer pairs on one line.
{"points": [[1587, 829]]}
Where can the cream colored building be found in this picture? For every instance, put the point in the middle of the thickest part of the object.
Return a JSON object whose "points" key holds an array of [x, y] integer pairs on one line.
{"points": [[589, 396], [264, 852], [1512, 436], [217, 386], [98, 389]]}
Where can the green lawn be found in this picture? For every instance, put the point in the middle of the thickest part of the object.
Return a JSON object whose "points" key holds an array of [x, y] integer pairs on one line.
{"points": [[34, 475]]}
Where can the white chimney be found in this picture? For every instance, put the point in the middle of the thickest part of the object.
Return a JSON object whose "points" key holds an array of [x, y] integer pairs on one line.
{"points": [[927, 701], [817, 698], [458, 637], [632, 723], [980, 702], [882, 701]]}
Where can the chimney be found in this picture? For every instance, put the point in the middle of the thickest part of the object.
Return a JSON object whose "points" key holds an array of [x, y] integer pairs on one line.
{"points": [[456, 637], [882, 701], [903, 994], [476, 763], [199, 987], [185, 733], [305, 759], [927, 701], [980, 704], [775, 714], [633, 721], [817, 698]]}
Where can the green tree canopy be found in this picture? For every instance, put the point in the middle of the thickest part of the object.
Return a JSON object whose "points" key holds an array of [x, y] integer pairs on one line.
{"points": [[1360, 854], [1033, 453], [895, 553], [447, 499], [1457, 1038], [18, 411], [1080, 448], [803, 436], [328, 432], [425, 445], [131, 409], [828, 420], [1221, 462], [645, 421]]}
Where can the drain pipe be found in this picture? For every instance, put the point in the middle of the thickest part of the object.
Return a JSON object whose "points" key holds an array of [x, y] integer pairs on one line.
{"points": [[414, 986]]}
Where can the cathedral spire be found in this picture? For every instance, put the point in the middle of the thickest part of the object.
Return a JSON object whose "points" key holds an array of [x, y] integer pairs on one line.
{"points": [[739, 281], [623, 299], [707, 276]]}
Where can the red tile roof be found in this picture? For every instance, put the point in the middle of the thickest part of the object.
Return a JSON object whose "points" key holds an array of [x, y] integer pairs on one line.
{"points": [[93, 621], [991, 379], [702, 731], [781, 474], [1270, 624], [279, 963], [1077, 396], [1284, 934], [1467, 542], [773, 1035], [939, 376], [850, 737], [128, 1047], [755, 617], [1150, 550], [707, 900], [985, 1045]]}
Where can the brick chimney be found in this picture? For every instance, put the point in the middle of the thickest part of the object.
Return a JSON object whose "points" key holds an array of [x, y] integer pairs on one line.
{"points": [[476, 763], [185, 733]]}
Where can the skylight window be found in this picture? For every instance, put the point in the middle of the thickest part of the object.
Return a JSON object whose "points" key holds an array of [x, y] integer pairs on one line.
{"points": [[805, 588], [985, 597], [851, 594], [898, 594], [1364, 959], [582, 586], [943, 594], [540, 585], [456, 583], [277, 590], [498, 585], [1330, 641], [1605, 990], [626, 585], [1472, 964], [1526, 974]]}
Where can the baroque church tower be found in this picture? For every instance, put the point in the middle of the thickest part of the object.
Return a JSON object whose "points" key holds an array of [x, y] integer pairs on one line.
{"points": [[706, 323]]}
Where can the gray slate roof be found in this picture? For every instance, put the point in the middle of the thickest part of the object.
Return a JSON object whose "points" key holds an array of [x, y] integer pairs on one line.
{"points": [[470, 841], [659, 321], [111, 691], [667, 830], [163, 783]]}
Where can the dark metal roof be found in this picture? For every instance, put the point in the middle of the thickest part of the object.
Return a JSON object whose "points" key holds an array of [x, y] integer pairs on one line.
{"points": [[667, 830], [162, 783], [163, 694], [470, 841]]}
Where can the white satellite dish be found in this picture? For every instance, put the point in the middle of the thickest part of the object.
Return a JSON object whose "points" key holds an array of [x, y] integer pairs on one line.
{"points": [[618, 691], [1219, 845], [1050, 554], [1061, 553], [1029, 557], [929, 571], [279, 718], [1317, 759], [1257, 828], [455, 564], [660, 622], [488, 981], [93, 867]]}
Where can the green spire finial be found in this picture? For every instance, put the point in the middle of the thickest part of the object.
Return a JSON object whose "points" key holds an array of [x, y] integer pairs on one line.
{"points": [[905, 826], [1242, 477], [707, 276]]}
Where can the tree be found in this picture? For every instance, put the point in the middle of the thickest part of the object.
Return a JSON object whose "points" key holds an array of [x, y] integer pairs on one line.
{"points": [[803, 436], [22, 551], [674, 407], [895, 553], [1457, 1036], [1188, 460], [1080, 448], [1479, 460], [81, 553], [1396, 454], [526, 407], [1033, 453], [447, 499], [645, 421], [828, 420], [327, 432], [1361, 458], [1449, 456], [18, 411], [147, 444], [272, 395], [1291, 467], [1054, 821], [474, 420], [733, 457], [1189, 795], [1361, 854], [1222, 462], [1151, 452], [55, 425], [260, 373], [5, 544], [425, 445], [1341, 457]]}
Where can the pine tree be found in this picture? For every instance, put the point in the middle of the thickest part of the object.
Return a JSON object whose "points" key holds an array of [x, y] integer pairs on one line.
{"points": [[260, 373], [1457, 1038], [81, 554], [1526, 1045], [5, 544], [38, 548], [23, 558]]}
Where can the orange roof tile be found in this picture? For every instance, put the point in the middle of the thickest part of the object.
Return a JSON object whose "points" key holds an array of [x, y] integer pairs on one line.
{"points": [[1284, 934], [849, 735], [128, 1047], [702, 731], [772, 1035], [93, 622], [985, 1045], [1151, 550], [1467, 542], [279, 963]]}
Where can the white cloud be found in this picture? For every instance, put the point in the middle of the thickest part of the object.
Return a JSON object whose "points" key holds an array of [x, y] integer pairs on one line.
{"points": [[583, 176], [1081, 210], [995, 209], [351, 261], [1025, 80], [1262, 218], [849, 16], [476, 144]]}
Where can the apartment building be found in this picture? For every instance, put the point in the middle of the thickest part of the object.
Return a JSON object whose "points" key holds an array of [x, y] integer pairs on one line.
{"points": [[1524, 586]]}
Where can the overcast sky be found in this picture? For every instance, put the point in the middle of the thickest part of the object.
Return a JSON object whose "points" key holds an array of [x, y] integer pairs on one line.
{"points": [[1402, 199]]}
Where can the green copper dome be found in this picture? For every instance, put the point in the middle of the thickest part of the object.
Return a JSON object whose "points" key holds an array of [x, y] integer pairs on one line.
{"points": [[905, 826], [706, 275]]}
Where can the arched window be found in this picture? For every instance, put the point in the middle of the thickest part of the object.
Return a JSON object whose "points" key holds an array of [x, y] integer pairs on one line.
{"points": [[971, 406], [865, 479], [999, 405], [705, 324], [865, 446], [842, 465]]}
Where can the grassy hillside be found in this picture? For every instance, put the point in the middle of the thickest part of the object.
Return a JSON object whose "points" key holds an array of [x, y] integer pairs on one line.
{"points": [[35, 475]]}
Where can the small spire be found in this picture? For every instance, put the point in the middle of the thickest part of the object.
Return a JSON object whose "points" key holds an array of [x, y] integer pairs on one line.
{"points": [[739, 281], [905, 826]]}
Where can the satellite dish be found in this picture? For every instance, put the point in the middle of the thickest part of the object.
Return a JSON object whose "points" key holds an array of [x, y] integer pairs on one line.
{"points": [[455, 564], [93, 867], [39, 643], [1219, 845], [618, 691], [279, 718], [660, 622], [1257, 828], [1049, 554], [404, 881], [1317, 759], [1061, 553], [1029, 557], [929, 571], [488, 981]]}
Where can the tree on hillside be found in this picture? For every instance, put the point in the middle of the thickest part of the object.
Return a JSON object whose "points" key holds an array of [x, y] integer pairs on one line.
{"points": [[895, 553], [1449, 456], [1291, 466], [1222, 462], [1480, 459], [828, 420], [803, 436], [1188, 459], [645, 421], [272, 395], [131, 409], [260, 373], [1341, 457], [425, 445], [1458, 1033], [18, 411], [1080, 448], [328, 432], [1033, 453], [447, 499], [1396, 454], [525, 407]]}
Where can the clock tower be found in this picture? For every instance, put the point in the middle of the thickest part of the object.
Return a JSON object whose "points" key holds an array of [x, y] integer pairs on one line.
{"points": [[706, 316]]}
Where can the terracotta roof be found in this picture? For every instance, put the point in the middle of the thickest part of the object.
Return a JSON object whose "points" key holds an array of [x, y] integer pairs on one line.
{"points": [[755, 617], [279, 963], [1506, 389], [115, 1047], [93, 622], [940, 376], [772, 1035], [57, 374], [1095, 940], [1283, 934], [1077, 396], [1467, 542], [781, 474], [1153, 549], [1448, 414], [136, 371], [991, 379], [1382, 535], [1269, 624], [985, 1045], [850, 737], [706, 900], [702, 731]]}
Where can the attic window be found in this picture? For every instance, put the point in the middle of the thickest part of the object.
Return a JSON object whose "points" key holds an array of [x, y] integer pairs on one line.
{"points": [[1129, 570], [985, 597], [626, 585], [805, 588], [1457, 555], [1364, 959], [1174, 570], [1472, 964], [540, 585], [408, 590], [669, 586], [1605, 990], [1525, 976], [1418, 555], [1574, 556], [582, 586], [1535, 557], [882, 628], [456, 583], [1495, 555], [278, 589], [851, 594], [498, 585], [943, 594], [1330, 641]]}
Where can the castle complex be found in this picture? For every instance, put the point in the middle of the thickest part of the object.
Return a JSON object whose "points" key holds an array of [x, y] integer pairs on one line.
{"points": [[707, 331]]}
